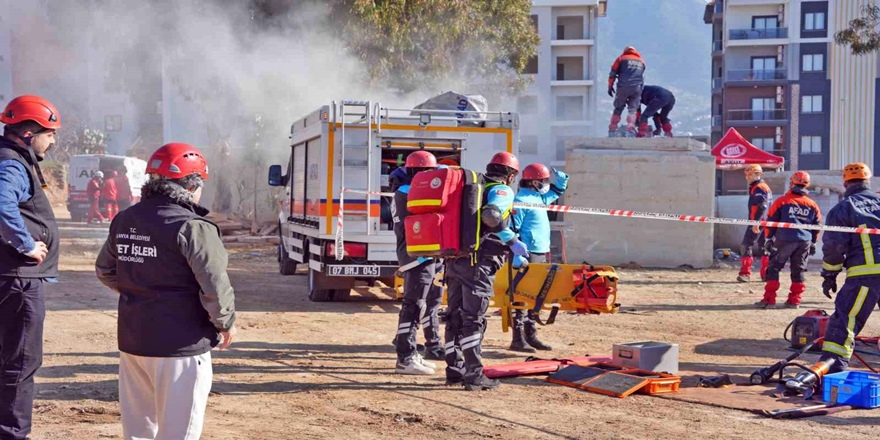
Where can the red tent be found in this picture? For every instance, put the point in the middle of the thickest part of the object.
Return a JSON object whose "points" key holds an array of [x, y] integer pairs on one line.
{"points": [[734, 152]]}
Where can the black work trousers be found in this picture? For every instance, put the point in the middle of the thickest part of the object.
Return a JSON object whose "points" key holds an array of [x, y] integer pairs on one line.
{"points": [[421, 299], [523, 319], [795, 252], [22, 312], [469, 288]]}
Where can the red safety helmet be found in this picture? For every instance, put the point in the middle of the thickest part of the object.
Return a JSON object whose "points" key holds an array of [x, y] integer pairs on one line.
{"points": [[536, 171], [421, 159], [506, 159], [31, 108], [800, 178], [178, 160]]}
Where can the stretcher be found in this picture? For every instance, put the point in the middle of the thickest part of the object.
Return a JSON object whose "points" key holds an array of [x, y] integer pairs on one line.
{"points": [[549, 287], [533, 365]]}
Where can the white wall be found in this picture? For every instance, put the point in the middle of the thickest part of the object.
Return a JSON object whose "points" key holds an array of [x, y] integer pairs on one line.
{"points": [[741, 17]]}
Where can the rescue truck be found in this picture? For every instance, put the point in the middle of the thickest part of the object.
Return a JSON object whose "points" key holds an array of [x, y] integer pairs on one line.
{"points": [[335, 216]]}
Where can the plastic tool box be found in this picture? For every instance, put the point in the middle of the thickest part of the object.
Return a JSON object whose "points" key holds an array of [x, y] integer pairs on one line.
{"points": [[854, 388], [647, 355]]}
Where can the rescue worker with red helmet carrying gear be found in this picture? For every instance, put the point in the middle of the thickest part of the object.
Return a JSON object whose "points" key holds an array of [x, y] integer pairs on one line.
{"points": [[168, 264], [790, 245], [470, 279], [759, 199], [421, 298], [860, 255], [28, 255], [629, 72], [533, 227]]}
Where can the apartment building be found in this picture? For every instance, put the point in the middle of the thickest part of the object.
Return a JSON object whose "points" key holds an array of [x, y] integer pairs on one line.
{"points": [[561, 101], [781, 81]]}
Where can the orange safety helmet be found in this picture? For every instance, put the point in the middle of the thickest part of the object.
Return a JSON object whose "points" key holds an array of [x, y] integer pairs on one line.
{"points": [[801, 178], [421, 159], [755, 168], [31, 108], [178, 160], [506, 159], [536, 171], [856, 171]]}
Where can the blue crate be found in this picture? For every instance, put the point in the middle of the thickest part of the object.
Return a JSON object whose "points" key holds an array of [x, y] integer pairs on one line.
{"points": [[854, 388]]}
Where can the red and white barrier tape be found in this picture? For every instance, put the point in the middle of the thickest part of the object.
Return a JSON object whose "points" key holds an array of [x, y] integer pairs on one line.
{"points": [[691, 218]]}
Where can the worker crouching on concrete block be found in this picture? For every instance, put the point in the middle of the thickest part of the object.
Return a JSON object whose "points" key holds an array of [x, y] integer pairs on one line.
{"points": [[790, 245], [533, 227], [860, 255], [759, 200], [168, 264], [659, 103]]}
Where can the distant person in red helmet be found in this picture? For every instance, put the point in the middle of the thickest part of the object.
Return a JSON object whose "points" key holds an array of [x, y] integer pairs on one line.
{"points": [[421, 298], [28, 255], [790, 245], [123, 189], [534, 230], [168, 264], [94, 192], [470, 279], [759, 200], [109, 193]]}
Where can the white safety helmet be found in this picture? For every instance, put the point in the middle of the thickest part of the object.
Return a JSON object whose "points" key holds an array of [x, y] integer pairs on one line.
{"points": [[99, 174]]}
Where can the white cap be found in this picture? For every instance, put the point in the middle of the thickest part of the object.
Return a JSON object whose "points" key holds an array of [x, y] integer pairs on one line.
{"points": [[99, 174]]}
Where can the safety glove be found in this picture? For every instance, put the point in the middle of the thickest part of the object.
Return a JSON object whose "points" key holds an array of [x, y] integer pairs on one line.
{"points": [[560, 175], [770, 246], [829, 285], [519, 248], [812, 248], [519, 261], [611, 91]]}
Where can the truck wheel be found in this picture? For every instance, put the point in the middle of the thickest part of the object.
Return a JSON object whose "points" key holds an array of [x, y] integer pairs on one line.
{"points": [[341, 295], [286, 265], [318, 295]]}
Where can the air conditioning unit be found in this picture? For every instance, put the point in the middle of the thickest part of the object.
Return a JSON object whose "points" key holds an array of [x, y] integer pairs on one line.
{"points": [[778, 135], [781, 15], [780, 55], [780, 95]]}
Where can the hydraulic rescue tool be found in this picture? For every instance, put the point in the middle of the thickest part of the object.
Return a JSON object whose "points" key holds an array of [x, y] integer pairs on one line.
{"points": [[806, 383]]}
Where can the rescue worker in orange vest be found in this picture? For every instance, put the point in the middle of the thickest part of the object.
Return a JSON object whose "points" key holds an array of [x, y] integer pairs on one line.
{"points": [[759, 200], [790, 245]]}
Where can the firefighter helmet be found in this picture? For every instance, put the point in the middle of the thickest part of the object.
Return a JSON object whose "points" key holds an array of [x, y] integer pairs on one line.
{"points": [[31, 108], [178, 160], [506, 159], [536, 171], [421, 159], [801, 178], [856, 171]]}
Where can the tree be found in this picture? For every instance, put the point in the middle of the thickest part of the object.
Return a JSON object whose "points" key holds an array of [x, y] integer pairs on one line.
{"points": [[862, 35], [407, 44], [78, 139]]}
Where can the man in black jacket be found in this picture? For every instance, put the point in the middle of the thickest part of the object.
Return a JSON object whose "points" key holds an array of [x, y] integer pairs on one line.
{"points": [[169, 266], [28, 255]]}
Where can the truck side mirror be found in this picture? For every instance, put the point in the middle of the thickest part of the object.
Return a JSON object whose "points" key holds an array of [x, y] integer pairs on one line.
{"points": [[275, 176]]}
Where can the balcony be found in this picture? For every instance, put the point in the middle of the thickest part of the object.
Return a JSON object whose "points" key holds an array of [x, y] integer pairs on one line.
{"points": [[751, 77], [717, 85], [716, 123], [757, 118], [718, 10], [758, 34], [717, 47]]}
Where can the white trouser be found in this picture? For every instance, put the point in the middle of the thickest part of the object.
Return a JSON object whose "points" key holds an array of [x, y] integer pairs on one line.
{"points": [[163, 398]]}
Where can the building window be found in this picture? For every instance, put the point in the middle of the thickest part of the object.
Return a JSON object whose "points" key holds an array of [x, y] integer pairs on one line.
{"points": [[768, 22], [766, 144], [527, 105], [813, 62], [569, 108], [763, 109], [811, 144], [528, 144], [534, 22], [811, 104], [814, 21], [532, 66]]}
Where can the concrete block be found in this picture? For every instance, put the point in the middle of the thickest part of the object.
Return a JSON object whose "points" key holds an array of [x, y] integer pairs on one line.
{"points": [[637, 144], [663, 177]]}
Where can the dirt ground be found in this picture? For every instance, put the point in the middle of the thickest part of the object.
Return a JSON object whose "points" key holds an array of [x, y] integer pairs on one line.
{"points": [[324, 370]]}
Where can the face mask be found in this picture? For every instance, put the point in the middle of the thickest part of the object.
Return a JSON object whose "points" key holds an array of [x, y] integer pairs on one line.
{"points": [[544, 189]]}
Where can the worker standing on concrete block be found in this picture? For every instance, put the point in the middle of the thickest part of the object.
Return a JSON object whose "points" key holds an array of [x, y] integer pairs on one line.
{"points": [[168, 264], [421, 298], [470, 278], [29, 252], [629, 72], [790, 245], [533, 226], [659, 102], [759, 200], [860, 255]]}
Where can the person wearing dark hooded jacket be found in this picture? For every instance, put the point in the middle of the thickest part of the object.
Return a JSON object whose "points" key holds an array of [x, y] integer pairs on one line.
{"points": [[628, 70]]}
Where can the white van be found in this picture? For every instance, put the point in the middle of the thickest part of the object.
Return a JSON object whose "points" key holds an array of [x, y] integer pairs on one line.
{"points": [[83, 168]]}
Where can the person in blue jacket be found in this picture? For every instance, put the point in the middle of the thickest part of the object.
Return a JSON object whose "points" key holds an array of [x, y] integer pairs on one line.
{"points": [[859, 254], [534, 230]]}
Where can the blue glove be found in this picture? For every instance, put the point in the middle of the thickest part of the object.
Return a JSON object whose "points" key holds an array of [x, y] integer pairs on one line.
{"points": [[560, 175], [519, 261], [423, 260], [519, 248]]}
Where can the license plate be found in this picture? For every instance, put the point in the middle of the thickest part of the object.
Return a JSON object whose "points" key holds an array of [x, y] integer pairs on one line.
{"points": [[353, 271]]}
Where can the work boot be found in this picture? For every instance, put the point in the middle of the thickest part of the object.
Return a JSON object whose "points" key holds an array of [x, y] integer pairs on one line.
{"points": [[762, 304], [519, 342], [435, 354], [413, 368], [482, 383], [451, 382], [532, 339], [745, 270], [643, 130], [742, 278], [770, 290], [667, 130], [794, 295]]}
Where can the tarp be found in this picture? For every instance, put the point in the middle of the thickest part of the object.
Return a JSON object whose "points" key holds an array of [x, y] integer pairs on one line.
{"points": [[734, 152]]}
